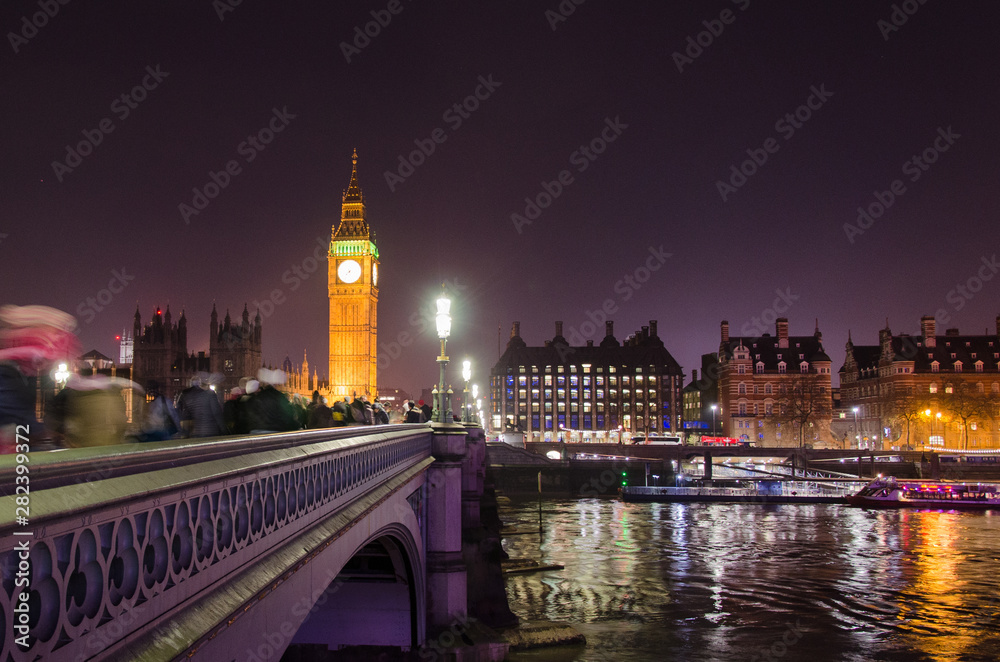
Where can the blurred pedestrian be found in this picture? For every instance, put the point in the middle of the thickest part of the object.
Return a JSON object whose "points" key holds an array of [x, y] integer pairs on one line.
{"points": [[201, 409], [268, 410], [379, 412], [320, 416], [160, 420], [32, 339], [413, 414], [427, 409], [89, 411]]}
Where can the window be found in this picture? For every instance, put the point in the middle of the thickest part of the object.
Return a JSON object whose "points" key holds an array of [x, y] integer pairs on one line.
{"points": [[933, 388], [803, 367], [935, 366], [767, 389], [760, 366], [742, 389], [781, 367]]}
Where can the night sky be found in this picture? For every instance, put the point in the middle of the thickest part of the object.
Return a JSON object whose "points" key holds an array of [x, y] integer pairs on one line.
{"points": [[647, 220]]}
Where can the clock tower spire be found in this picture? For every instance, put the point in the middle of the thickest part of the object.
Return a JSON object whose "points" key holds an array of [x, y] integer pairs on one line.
{"points": [[353, 291]]}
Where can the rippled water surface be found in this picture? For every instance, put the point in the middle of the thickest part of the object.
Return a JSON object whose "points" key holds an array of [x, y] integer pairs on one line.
{"points": [[750, 582]]}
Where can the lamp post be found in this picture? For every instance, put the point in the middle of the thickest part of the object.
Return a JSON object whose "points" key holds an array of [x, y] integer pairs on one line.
{"points": [[443, 322], [467, 376], [714, 407], [857, 431]]}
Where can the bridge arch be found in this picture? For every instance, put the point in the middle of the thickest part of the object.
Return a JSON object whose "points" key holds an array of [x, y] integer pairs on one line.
{"points": [[376, 598]]}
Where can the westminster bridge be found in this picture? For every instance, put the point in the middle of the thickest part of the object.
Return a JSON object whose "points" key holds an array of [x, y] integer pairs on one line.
{"points": [[235, 548]]}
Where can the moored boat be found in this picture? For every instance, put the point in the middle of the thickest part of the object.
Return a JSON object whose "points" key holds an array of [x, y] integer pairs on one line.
{"points": [[889, 492]]}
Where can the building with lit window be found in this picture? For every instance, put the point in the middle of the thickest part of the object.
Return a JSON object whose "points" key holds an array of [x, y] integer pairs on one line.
{"points": [[598, 393], [161, 360], [923, 390], [775, 390], [698, 397]]}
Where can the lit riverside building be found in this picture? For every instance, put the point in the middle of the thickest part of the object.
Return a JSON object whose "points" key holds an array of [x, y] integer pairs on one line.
{"points": [[593, 393], [944, 390]]}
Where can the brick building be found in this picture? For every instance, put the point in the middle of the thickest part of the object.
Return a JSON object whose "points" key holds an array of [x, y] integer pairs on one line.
{"points": [[775, 390], [924, 390]]}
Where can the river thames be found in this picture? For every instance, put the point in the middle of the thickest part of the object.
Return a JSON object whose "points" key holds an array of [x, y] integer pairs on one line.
{"points": [[692, 582]]}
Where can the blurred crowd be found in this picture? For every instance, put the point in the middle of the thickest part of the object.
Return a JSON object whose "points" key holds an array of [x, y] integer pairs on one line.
{"points": [[91, 410]]}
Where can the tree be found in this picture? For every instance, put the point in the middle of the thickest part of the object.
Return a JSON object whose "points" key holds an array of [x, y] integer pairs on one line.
{"points": [[905, 409], [967, 405], [805, 402]]}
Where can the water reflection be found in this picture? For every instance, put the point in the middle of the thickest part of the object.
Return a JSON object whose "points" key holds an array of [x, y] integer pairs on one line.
{"points": [[734, 581]]}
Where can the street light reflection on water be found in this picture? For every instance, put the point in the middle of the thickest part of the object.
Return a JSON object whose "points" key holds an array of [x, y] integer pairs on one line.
{"points": [[743, 581]]}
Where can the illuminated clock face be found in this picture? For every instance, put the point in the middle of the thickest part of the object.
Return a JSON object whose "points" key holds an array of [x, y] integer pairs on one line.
{"points": [[375, 275], [348, 271]]}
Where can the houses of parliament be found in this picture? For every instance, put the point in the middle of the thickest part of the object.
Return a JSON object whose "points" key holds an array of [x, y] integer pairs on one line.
{"points": [[158, 350]]}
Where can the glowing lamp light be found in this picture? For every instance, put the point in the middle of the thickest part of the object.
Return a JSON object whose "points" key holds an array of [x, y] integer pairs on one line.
{"points": [[443, 317], [466, 370]]}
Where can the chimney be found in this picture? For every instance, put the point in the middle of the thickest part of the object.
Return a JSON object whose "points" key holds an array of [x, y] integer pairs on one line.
{"points": [[781, 324], [515, 331], [725, 331], [590, 343], [694, 375], [652, 328], [558, 329], [645, 332], [609, 327], [998, 325], [928, 331]]}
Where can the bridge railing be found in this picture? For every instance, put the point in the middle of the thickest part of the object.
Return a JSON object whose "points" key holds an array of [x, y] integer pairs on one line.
{"points": [[116, 537]]}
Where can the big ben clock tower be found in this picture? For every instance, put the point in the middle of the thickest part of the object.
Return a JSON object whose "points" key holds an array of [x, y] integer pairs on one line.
{"points": [[353, 289]]}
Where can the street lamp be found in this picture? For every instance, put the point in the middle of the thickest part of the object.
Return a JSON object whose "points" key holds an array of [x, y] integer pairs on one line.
{"points": [[714, 407], [857, 432], [467, 376], [61, 375], [443, 323]]}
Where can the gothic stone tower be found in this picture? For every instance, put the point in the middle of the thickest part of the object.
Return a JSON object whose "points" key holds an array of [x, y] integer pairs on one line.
{"points": [[353, 290]]}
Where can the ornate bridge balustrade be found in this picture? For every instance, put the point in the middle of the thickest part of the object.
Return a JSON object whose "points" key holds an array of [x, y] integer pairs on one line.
{"points": [[160, 546]]}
